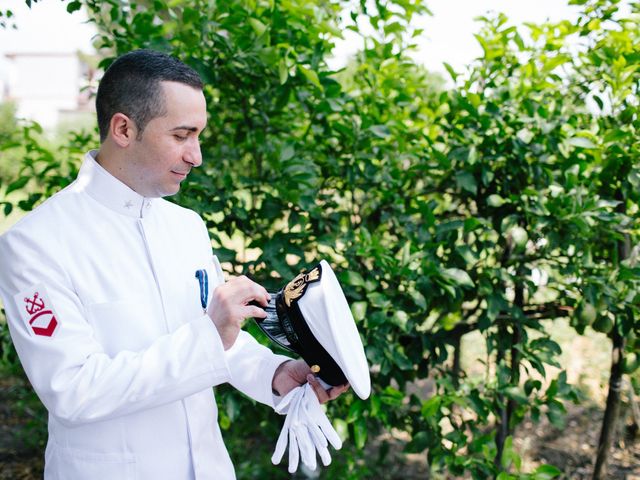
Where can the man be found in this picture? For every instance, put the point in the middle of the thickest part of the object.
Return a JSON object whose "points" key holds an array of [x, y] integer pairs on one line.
{"points": [[116, 306]]}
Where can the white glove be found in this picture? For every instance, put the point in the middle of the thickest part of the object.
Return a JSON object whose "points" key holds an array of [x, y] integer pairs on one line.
{"points": [[289, 405], [307, 428], [318, 425]]}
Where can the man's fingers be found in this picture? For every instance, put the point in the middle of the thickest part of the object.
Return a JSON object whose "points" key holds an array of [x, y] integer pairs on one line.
{"points": [[261, 298], [255, 312], [229, 306], [247, 291], [241, 296], [321, 393], [335, 392], [257, 293], [326, 395]]}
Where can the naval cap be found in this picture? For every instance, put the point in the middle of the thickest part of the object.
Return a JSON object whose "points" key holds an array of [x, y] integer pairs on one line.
{"points": [[311, 317]]}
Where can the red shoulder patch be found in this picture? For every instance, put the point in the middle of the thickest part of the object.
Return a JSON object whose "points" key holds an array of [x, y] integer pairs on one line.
{"points": [[37, 311]]}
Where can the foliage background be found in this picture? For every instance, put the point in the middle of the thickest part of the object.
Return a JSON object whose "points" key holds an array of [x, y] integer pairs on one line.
{"points": [[490, 207]]}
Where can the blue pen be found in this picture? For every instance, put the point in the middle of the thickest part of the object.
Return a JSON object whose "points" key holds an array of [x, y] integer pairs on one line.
{"points": [[203, 281]]}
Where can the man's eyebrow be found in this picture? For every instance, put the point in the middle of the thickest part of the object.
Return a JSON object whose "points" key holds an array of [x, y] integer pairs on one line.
{"points": [[184, 127]]}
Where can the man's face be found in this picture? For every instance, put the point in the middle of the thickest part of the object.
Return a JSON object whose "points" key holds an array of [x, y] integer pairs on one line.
{"points": [[169, 147]]}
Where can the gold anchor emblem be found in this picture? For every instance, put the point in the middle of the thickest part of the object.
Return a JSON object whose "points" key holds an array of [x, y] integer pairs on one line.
{"points": [[296, 287]]}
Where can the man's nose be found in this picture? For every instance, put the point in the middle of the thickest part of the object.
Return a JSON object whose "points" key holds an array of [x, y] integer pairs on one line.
{"points": [[193, 155]]}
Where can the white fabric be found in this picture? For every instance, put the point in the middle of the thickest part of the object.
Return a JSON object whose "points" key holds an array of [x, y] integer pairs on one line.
{"points": [[127, 374], [327, 313], [307, 429]]}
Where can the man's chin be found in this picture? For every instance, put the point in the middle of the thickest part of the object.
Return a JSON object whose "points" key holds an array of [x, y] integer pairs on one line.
{"points": [[168, 192]]}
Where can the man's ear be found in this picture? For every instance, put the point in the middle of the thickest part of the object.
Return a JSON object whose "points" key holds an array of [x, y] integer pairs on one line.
{"points": [[122, 129]]}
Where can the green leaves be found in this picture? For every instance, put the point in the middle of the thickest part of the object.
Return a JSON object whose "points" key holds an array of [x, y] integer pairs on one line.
{"points": [[74, 6], [258, 27], [311, 76], [485, 208], [546, 472], [17, 184], [457, 277], [581, 142]]}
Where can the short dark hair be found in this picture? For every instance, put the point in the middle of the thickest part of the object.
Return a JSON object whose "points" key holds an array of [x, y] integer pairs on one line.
{"points": [[131, 85]]}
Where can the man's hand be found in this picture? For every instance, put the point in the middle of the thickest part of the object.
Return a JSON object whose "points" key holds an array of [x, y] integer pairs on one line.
{"points": [[293, 373], [230, 306]]}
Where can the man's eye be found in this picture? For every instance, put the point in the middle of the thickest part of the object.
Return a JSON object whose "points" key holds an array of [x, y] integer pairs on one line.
{"points": [[180, 138]]}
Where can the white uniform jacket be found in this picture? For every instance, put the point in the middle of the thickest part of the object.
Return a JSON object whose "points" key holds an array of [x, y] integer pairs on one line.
{"points": [[104, 308]]}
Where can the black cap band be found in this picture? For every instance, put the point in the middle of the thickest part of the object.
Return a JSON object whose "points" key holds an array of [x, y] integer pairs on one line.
{"points": [[306, 344]]}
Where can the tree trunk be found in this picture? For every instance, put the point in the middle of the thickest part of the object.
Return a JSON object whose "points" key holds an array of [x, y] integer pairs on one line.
{"points": [[632, 430], [612, 411], [516, 338], [502, 431], [506, 412], [455, 368]]}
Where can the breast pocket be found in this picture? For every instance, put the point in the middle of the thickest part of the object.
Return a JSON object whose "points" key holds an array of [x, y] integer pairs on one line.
{"points": [[125, 325], [70, 464]]}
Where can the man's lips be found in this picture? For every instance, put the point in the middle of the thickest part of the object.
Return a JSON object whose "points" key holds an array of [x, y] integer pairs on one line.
{"points": [[181, 175]]}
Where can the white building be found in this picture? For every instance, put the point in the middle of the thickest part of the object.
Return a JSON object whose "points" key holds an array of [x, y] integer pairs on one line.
{"points": [[51, 88], [42, 67]]}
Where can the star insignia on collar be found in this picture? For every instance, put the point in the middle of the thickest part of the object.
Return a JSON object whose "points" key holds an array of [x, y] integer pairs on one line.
{"points": [[128, 204]]}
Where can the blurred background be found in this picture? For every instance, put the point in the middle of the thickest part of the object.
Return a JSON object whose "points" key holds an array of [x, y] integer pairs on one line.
{"points": [[470, 169]]}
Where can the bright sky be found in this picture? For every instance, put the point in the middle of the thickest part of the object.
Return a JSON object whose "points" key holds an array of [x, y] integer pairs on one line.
{"points": [[448, 34], [47, 27]]}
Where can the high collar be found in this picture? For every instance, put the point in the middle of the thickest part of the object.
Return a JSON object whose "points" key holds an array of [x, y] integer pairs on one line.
{"points": [[109, 191]]}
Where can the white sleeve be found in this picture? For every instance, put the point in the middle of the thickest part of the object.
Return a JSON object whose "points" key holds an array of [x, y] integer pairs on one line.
{"points": [[69, 370], [252, 366]]}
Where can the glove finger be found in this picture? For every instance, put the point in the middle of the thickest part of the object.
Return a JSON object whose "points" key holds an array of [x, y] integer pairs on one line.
{"points": [[292, 416], [281, 444], [294, 454], [288, 399], [305, 445], [307, 450], [316, 434], [319, 440], [299, 430], [331, 434], [327, 429], [314, 410], [324, 456]]}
